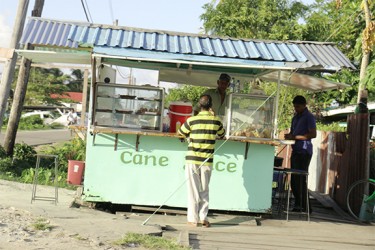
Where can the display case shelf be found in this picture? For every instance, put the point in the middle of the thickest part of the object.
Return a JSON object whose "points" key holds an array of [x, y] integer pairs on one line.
{"points": [[128, 106]]}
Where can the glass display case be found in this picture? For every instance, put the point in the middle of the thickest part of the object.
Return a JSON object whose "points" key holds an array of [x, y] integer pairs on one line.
{"points": [[128, 106], [250, 116]]}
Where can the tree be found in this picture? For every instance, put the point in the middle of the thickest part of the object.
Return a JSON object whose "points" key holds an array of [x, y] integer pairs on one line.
{"points": [[75, 83], [254, 19], [185, 93], [43, 83], [341, 22]]}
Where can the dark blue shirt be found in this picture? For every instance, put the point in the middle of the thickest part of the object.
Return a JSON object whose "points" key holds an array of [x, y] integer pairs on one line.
{"points": [[301, 124]]}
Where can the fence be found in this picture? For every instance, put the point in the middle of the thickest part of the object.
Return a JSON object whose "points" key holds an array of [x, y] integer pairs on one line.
{"points": [[339, 159]]}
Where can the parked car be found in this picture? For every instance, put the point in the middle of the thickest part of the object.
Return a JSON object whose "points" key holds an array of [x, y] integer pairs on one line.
{"points": [[49, 117]]}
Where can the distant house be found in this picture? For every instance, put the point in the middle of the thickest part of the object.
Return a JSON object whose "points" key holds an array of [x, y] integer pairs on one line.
{"points": [[75, 97], [340, 113]]}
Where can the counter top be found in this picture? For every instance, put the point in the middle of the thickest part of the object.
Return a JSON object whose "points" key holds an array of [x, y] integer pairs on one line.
{"points": [[108, 130]]}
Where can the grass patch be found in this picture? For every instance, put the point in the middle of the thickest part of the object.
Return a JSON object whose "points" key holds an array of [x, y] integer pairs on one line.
{"points": [[148, 241], [42, 225]]}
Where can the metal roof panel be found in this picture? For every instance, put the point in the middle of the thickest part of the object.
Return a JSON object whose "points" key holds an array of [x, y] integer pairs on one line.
{"points": [[71, 34]]}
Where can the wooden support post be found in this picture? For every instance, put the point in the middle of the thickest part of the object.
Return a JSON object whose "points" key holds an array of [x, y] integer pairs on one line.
{"points": [[246, 149], [84, 97], [17, 105], [116, 141]]}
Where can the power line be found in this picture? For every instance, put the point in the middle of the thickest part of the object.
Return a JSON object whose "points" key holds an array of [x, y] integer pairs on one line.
{"points": [[111, 10], [84, 9], [88, 10]]}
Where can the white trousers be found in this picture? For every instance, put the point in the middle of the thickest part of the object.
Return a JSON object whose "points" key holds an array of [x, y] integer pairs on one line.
{"points": [[198, 179]]}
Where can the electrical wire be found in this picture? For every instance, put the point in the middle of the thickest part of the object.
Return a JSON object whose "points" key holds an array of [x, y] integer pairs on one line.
{"points": [[88, 10], [111, 10], [122, 74], [208, 157], [84, 9]]}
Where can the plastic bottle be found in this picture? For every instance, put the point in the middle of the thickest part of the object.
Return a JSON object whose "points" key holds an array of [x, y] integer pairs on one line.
{"points": [[238, 86], [178, 125], [232, 85], [166, 123]]}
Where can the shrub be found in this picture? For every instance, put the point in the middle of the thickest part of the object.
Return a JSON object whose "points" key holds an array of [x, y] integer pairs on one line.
{"points": [[73, 150], [24, 152], [31, 122], [2, 152], [5, 164]]}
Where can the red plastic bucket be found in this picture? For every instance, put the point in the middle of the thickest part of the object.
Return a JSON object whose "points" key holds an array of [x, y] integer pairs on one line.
{"points": [[178, 114], [75, 172]]}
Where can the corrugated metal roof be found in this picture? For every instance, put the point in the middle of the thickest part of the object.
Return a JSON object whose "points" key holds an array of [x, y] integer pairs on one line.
{"points": [[45, 32]]}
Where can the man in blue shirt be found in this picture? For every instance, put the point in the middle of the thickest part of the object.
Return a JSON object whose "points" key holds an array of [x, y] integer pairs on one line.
{"points": [[302, 131]]}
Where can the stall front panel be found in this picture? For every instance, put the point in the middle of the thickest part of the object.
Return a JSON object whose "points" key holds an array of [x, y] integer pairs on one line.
{"points": [[146, 170]]}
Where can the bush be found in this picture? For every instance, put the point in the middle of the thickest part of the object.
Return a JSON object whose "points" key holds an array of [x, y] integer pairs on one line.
{"points": [[24, 152], [332, 127], [5, 165], [73, 150], [2, 152], [31, 122]]}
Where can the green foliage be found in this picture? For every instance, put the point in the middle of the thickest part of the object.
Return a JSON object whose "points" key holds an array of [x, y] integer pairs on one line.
{"points": [[285, 109], [185, 93], [5, 164], [2, 152], [42, 225], [24, 152], [73, 150], [46, 176], [43, 83], [370, 81], [325, 22], [332, 127], [342, 96], [256, 19], [149, 242], [31, 122]]}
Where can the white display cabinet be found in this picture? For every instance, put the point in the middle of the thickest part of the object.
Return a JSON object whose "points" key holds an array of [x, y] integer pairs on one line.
{"points": [[128, 106], [250, 116]]}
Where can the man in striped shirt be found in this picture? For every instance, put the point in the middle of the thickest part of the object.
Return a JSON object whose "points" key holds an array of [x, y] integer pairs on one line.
{"points": [[202, 130]]}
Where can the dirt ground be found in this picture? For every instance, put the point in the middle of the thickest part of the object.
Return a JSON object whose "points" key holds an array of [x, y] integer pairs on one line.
{"points": [[85, 228]]}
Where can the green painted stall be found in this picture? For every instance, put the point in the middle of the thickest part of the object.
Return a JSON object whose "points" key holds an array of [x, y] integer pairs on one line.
{"points": [[148, 169]]}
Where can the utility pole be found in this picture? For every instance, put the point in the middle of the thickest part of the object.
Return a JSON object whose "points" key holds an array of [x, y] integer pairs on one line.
{"points": [[8, 73], [20, 92]]}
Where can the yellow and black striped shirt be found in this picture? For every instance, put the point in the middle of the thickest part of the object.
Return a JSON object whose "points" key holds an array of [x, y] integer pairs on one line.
{"points": [[202, 130]]}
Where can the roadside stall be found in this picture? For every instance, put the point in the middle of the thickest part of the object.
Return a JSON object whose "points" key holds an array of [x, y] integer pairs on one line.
{"points": [[131, 160]]}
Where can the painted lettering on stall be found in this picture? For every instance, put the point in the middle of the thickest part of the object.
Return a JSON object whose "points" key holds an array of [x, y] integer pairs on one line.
{"points": [[222, 166], [142, 159]]}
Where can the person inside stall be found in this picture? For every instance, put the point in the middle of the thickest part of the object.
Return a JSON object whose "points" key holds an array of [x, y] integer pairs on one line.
{"points": [[219, 96], [303, 129], [202, 131]]}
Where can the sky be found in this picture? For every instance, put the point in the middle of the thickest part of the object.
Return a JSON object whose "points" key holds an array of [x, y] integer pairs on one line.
{"points": [[171, 15]]}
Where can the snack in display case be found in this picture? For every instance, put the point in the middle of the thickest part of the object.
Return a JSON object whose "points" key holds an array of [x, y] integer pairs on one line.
{"points": [[128, 106], [250, 116]]}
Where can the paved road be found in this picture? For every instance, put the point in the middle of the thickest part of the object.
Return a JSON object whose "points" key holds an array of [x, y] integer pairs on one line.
{"points": [[40, 137]]}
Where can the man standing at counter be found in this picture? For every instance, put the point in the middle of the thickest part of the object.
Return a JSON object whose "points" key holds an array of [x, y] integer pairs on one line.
{"points": [[201, 130], [303, 129], [219, 95]]}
